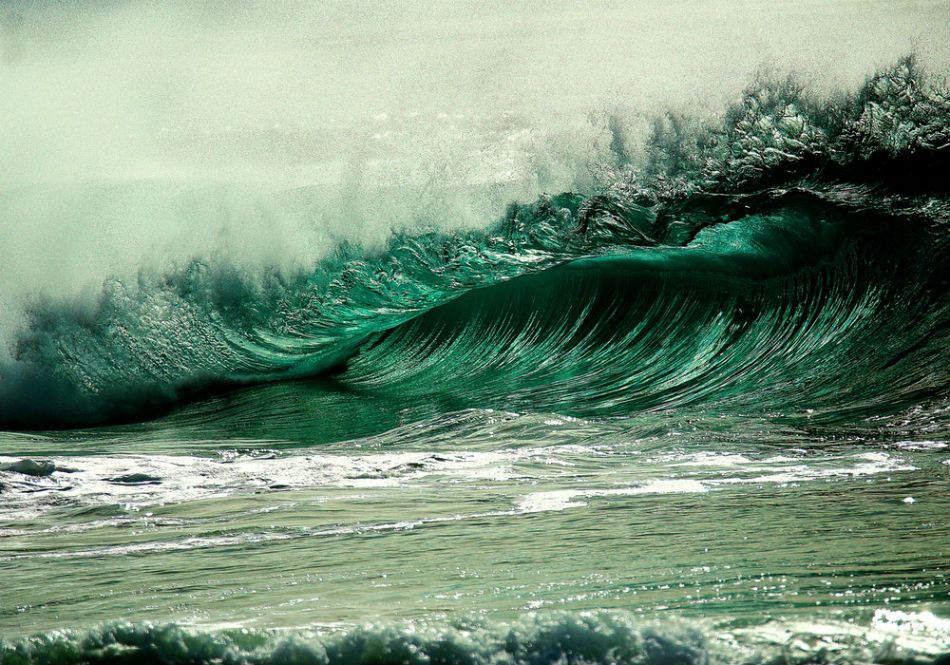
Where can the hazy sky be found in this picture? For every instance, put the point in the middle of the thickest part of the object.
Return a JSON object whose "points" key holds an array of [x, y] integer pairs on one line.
{"points": [[141, 131], [89, 87]]}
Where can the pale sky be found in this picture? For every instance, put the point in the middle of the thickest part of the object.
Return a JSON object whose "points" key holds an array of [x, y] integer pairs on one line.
{"points": [[145, 133]]}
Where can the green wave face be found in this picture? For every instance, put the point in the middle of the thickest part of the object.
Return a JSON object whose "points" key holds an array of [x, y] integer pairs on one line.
{"points": [[807, 315], [729, 322], [808, 311]]}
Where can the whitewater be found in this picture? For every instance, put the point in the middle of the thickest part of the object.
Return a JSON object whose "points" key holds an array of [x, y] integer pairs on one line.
{"points": [[449, 334]]}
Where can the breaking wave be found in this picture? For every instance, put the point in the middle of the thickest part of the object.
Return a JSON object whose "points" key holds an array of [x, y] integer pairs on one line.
{"points": [[584, 637], [792, 257]]}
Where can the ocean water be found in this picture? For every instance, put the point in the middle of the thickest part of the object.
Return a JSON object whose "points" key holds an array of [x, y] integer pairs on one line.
{"points": [[659, 388]]}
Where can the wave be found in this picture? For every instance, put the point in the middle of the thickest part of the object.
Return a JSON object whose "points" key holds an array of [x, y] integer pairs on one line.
{"points": [[582, 637], [790, 258]]}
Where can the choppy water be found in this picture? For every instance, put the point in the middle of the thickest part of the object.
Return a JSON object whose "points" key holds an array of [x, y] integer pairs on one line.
{"points": [[699, 414]]}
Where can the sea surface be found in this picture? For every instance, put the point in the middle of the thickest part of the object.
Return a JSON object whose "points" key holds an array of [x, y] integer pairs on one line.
{"points": [[697, 412]]}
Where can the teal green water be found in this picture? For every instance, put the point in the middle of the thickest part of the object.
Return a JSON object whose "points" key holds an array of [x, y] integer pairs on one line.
{"points": [[488, 515], [698, 416]]}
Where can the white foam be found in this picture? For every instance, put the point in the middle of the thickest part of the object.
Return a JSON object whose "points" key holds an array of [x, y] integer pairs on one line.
{"points": [[556, 500]]}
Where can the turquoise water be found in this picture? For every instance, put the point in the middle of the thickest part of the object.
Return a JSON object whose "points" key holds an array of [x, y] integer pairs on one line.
{"points": [[698, 414]]}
